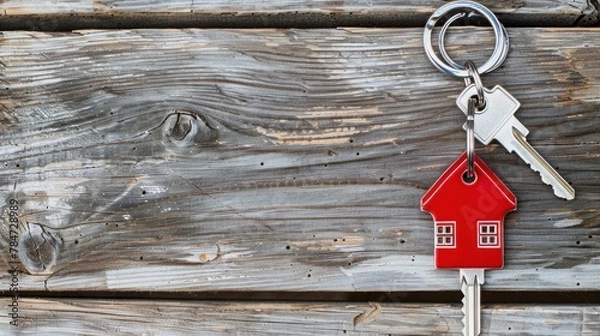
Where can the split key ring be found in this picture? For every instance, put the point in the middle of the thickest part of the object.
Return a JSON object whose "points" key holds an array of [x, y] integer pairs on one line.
{"points": [[462, 8]]}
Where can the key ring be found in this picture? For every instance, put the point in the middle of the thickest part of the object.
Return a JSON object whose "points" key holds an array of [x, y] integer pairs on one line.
{"points": [[442, 47], [447, 65]]}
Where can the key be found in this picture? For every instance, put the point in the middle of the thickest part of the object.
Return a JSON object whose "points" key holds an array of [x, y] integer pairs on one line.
{"points": [[497, 121], [468, 220], [470, 285]]}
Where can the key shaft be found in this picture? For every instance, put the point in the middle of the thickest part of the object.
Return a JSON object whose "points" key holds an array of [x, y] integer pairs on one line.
{"points": [[470, 285], [515, 141]]}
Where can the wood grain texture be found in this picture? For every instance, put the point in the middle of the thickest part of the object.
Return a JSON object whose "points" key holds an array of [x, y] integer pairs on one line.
{"points": [[68, 15], [144, 317], [206, 160]]}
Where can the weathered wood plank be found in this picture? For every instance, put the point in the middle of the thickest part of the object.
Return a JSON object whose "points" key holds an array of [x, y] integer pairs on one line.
{"points": [[144, 317], [203, 160], [68, 15]]}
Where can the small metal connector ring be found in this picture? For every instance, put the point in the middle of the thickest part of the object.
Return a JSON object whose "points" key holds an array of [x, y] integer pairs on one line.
{"points": [[470, 176], [476, 80]]}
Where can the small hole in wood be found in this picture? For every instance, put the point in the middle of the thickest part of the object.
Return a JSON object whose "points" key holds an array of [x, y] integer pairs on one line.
{"points": [[578, 242], [76, 241], [288, 247]]}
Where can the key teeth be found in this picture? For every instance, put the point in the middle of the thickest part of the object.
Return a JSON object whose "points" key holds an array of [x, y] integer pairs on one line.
{"points": [[568, 195], [463, 289], [558, 192], [561, 188]]}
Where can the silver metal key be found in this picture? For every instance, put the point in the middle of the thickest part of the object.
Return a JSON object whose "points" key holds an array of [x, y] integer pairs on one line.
{"points": [[470, 285], [497, 121]]}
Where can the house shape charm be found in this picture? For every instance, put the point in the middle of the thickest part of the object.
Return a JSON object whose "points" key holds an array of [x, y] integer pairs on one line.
{"points": [[469, 217]]}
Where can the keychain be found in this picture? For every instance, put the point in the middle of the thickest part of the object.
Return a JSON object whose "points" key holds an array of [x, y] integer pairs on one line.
{"points": [[468, 202], [494, 118]]}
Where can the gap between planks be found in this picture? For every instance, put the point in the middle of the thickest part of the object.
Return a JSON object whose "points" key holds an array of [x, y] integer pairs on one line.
{"points": [[104, 14], [445, 297]]}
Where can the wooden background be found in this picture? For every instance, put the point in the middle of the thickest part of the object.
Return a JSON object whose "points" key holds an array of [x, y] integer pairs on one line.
{"points": [[267, 181]]}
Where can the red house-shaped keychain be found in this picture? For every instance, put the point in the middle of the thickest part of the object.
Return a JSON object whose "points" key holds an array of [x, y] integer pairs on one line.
{"points": [[469, 217]]}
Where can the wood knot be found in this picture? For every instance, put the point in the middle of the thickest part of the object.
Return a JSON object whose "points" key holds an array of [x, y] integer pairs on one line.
{"points": [[209, 254], [38, 249], [186, 129]]}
